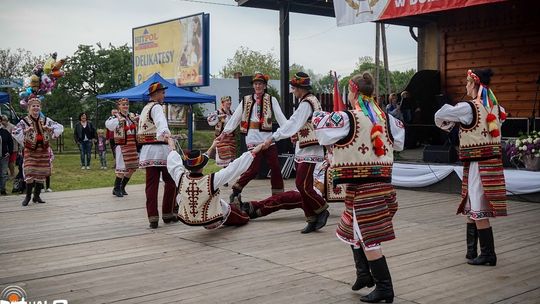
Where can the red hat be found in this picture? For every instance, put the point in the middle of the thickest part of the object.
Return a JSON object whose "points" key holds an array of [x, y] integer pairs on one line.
{"points": [[260, 77], [154, 87]]}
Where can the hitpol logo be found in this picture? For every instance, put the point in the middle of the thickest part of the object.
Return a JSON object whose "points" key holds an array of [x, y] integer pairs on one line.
{"points": [[16, 295]]}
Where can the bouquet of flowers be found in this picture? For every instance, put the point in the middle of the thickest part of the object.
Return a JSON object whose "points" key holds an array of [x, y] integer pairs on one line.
{"points": [[526, 147]]}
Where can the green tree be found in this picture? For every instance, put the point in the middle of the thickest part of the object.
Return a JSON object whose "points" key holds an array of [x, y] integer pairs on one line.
{"points": [[398, 80], [17, 64], [92, 70], [323, 84], [249, 62]]}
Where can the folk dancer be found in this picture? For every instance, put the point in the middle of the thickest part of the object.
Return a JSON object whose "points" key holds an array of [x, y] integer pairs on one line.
{"points": [[308, 152], [254, 115], [483, 193], [34, 132], [226, 147], [153, 134], [198, 194], [124, 125], [363, 141]]}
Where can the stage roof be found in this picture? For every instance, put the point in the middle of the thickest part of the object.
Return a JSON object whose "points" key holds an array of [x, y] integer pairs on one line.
{"points": [[310, 7], [326, 8]]}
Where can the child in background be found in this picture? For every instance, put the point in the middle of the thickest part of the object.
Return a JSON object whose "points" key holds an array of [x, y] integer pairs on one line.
{"points": [[102, 148]]}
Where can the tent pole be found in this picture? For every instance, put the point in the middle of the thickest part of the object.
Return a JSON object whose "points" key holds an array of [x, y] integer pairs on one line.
{"points": [[190, 127], [385, 56]]}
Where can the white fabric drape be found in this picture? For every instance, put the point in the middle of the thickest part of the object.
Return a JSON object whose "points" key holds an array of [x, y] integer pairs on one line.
{"points": [[416, 175]]}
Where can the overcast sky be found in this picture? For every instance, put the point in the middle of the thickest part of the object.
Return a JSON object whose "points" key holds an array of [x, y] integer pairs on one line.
{"points": [[315, 42]]}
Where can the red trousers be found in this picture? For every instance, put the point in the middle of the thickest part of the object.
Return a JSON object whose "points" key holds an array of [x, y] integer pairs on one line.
{"points": [[313, 203], [270, 156], [152, 185], [281, 201], [237, 217]]}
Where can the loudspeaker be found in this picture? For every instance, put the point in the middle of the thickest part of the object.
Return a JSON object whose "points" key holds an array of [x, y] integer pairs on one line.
{"points": [[244, 82], [515, 126], [245, 91], [440, 154]]}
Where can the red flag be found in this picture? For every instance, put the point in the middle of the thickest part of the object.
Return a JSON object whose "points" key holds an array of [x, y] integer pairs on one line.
{"points": [[338, 102]]}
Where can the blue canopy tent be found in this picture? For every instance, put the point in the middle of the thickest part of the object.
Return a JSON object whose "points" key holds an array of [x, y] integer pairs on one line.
{"points": [[173, 95], [4, 97]]}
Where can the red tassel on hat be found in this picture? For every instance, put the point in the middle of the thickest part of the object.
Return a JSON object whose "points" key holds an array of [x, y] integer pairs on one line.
{"points": [[502, 115]]}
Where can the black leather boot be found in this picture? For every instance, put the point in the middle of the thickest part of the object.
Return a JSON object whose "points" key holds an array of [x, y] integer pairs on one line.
{"points": [[29, 188], [487, 255], [125, 180], [472, 240], [384, 291], [37, 192], [363, 275], [233, 197], [248, 208], [117, 190], [310, 227], [321, 219]]}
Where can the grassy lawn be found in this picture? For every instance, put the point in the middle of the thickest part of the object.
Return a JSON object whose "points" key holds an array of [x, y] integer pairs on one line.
{"points": [[67, 173]]}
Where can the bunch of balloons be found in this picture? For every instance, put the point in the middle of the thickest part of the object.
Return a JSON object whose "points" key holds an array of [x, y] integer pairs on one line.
{"points": [[43, 79]]}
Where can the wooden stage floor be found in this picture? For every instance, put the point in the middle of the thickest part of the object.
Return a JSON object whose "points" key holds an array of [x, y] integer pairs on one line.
{"points": [[89, 247]]}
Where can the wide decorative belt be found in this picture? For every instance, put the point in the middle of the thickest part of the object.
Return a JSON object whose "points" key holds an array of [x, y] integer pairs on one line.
{"points": [[254, 125]]}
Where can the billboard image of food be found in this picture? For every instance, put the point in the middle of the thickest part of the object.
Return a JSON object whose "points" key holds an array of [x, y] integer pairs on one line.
{"points": [[176, 49]]}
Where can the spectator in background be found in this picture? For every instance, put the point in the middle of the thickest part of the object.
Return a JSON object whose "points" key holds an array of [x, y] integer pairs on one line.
{"points": [[84, 135], [13, 157], [394, 108], [406, 107], [6, 148], [102, 148]]}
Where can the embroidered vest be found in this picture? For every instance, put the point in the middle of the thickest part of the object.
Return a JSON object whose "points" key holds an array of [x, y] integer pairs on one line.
{"points": [[221, 122], [265, 123], [126, 126], [354, 159], [199, 203], [37, 136], [147, 129], [306, 134], [475, 142]]}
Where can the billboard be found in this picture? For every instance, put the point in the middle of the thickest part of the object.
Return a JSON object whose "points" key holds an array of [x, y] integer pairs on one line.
{"points": [[358, 11], [176, 49]]}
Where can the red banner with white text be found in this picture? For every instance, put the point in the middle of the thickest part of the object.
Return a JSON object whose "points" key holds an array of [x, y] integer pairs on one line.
{"points": [[358, 11]]}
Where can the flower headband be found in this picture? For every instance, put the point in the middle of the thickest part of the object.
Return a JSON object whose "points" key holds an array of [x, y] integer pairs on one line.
{"points": [[300, 81], [353, 86], [473, 76]]}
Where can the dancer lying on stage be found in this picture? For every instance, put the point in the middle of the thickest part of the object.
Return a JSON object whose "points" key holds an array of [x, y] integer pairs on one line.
{"points": [[198, 194]]}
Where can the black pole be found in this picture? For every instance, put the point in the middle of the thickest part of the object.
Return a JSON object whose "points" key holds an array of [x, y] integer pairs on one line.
{"points": [[284, 56]]}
